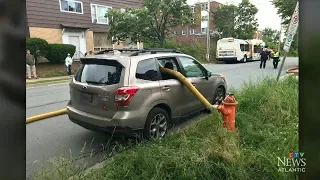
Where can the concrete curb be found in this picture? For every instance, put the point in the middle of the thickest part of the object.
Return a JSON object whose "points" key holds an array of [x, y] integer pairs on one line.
{"points": [[46, 115]]}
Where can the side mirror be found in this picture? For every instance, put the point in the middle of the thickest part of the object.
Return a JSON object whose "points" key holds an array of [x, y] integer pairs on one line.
{"points": [[208, 75]]}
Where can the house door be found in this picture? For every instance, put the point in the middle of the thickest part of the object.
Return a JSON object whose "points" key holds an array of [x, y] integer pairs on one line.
{"points": [[75, 40]]}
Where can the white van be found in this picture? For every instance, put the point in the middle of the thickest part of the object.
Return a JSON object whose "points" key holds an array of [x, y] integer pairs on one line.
{"points": [[230, 49]]}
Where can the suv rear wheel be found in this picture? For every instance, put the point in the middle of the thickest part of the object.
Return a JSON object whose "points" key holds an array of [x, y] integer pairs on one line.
{"points": [[219, 96], [157, 124]]}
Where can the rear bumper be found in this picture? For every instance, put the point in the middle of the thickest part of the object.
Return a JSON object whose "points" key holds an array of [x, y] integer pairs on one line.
{"points": [[226, 58], [123, 122]]}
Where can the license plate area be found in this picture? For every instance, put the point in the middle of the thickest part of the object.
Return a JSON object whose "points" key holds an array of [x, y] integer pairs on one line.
{"points": [[86, 97]]}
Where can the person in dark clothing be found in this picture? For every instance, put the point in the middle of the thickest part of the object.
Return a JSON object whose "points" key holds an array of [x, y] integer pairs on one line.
{"points": [[264, 57]]}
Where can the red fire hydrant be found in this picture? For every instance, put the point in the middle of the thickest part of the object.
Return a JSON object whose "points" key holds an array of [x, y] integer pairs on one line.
{"points": [[228, 111]]}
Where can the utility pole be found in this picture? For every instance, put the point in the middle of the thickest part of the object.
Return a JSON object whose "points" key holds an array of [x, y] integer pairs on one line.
{"points": [[279, 48], [208, 32]]}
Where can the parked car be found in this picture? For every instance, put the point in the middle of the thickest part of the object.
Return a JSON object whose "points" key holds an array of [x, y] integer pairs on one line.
{"points": [[127, 94]]}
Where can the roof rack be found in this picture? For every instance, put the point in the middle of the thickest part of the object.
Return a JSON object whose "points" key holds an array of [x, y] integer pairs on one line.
{"points": [[121, 50], [155, 51]]}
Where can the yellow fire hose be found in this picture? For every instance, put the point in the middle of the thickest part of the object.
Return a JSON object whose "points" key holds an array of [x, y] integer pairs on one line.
{"points": [[46, 115], [187, 83]]}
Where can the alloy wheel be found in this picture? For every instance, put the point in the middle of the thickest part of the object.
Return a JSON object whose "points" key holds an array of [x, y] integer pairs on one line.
{"points": [[158, 126]]}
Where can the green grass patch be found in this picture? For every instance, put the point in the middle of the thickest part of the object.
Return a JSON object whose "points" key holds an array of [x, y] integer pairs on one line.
{"points": [[267, 123]]}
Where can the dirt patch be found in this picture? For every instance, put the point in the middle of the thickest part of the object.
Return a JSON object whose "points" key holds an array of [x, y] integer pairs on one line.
{"points": [[46, 69]]}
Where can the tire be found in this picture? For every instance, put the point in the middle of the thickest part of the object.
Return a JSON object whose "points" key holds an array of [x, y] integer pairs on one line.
{"points": [[219, 96], [157, 122]]}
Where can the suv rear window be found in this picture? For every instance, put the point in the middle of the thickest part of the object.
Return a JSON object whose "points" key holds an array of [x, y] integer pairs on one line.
{"points": [[99, 74]]}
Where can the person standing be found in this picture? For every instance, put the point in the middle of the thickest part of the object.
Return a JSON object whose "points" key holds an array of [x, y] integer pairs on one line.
{"points": [[276, 57], [264, 57], [31, 67], [68, 62]]}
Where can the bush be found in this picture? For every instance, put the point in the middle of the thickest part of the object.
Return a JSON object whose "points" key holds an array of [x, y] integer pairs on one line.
{"points": [[58, 52], [37, 46]]}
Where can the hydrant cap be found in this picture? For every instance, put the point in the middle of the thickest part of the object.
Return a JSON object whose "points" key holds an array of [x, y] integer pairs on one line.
{"points": [[230, 99]]}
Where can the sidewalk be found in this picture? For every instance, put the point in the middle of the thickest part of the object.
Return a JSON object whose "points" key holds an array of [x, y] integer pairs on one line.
{"points": [[48, 79]]}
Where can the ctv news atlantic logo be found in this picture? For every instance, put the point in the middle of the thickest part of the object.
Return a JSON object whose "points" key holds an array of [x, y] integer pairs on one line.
{"points": [[295, 162]]}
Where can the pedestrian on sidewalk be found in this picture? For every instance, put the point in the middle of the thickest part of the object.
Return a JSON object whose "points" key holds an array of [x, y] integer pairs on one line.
{"points": [[68, 62], [276, 57], [30, 64], [265, 55]]}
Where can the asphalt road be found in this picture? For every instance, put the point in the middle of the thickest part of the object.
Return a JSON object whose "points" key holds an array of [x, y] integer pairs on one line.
{"points": [[58, 136]]}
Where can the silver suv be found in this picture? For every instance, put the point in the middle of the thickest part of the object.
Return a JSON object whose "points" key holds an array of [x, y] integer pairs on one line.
{"points": [[128, 95]]}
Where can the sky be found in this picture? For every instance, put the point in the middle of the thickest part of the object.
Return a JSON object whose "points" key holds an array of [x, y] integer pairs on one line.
{"points": [[267, 14]]}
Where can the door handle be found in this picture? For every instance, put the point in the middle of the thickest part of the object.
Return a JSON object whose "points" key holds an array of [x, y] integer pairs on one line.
{"points": [[166, 88]]}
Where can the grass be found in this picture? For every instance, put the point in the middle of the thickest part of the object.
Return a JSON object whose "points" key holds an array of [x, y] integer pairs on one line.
{"points": [[267, 122]]}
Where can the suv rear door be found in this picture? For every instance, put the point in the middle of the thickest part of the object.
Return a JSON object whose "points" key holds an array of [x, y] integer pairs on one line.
{"points": [[196, 74], [93, 87]]}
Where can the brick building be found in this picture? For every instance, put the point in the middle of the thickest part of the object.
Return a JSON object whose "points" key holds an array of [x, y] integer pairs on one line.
{"points": [[200, 20], [78, 22]]}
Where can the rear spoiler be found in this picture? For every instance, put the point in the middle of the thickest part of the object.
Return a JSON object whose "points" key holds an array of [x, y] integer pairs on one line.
{"points": [[102, 61]]}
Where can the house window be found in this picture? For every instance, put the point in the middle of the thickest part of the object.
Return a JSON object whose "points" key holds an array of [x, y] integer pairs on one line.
{"points": [[98, 13], [192, 9], [183, 33], [192, 21], [204, 18], [203, 30], [204, 7], [192, 31], [71, 6]]}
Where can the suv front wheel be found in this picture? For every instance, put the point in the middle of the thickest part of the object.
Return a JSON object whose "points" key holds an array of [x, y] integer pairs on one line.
{"points": [[157, 124]]}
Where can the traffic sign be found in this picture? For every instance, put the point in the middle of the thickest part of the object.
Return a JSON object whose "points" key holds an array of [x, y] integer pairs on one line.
{"points": [[292, 28]]}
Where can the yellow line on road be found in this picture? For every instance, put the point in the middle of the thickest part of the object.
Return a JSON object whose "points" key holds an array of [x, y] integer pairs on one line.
{"points": [[46, 115]]}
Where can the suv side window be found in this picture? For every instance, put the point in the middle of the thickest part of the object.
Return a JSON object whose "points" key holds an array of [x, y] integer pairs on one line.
{"points": [[168, 62], [191, 67], [147, 70]]}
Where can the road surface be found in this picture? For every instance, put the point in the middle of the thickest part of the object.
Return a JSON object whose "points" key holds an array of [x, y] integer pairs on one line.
{"points": [[58, 136]]}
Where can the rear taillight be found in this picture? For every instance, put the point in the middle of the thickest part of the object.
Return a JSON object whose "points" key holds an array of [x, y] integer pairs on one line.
{"points": [[124, 95]]}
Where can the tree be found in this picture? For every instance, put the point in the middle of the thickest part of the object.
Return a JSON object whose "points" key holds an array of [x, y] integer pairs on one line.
{"points": [[285, 9], [153, 23], [246, 23], [271, 34], [271, 37], [224, 19]]}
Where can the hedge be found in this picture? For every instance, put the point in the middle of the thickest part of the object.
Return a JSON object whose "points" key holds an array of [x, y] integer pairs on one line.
{"points": [[58, 52], [37, 46]]}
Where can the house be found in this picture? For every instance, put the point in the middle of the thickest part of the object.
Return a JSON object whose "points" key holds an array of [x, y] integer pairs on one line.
{"points": [[78, 22], [200, 20]]}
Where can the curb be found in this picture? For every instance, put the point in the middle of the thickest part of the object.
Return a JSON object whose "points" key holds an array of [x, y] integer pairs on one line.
{"points": [[46, 115]]}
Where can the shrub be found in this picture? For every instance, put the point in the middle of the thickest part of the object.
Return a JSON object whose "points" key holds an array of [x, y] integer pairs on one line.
{"points": [[37, 46], [58, 52]]}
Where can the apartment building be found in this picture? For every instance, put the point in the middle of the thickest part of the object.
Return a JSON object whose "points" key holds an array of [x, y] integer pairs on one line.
{"points": [[78, 22], [200, 20]]}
